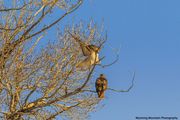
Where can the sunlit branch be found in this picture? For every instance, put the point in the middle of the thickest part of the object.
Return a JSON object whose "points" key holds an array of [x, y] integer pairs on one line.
{"points": [[55, 22], [12, 9], [61, 111]]}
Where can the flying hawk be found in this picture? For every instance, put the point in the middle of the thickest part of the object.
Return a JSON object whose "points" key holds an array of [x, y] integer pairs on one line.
{"points": [[90, 51], [101, 86]]}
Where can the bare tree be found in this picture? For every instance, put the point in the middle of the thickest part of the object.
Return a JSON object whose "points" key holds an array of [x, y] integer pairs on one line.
{"points": [[45, 83]]}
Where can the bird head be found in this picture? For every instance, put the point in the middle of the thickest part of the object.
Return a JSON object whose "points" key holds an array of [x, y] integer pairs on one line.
{"points": [[102, 75]]}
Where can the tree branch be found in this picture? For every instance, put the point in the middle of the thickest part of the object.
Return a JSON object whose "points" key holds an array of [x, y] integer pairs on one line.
{"points": [[127, 90], [11, 9], [56, 21], [59, 112]]}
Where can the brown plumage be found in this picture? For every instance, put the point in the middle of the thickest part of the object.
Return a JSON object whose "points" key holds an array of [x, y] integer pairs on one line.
{"points": [[86, 49], [90, 51], [101, 86], [46, 2]]}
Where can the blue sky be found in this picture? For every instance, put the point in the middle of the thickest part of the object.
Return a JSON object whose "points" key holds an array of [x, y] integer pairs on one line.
{"points": [[148, 32]]}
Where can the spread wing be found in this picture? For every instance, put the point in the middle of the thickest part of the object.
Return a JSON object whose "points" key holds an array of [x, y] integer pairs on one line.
{"points": [[86, 49], [85, 64], [94, 48]]}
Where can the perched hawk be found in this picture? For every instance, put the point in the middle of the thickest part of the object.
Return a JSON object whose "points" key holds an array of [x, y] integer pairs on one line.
{"points": [[90, 51], [101, 86]]}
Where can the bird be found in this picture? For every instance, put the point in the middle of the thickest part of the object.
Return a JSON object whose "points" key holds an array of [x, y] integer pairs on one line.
{"points": [[101, 85], [46, 2], [91, 52], [90, 60], [87, 50]]}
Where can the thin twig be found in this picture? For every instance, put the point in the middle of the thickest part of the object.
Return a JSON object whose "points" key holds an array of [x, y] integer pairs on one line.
{"points": [[132, 84], [110, 64], [55, 22], [11, 9], [130, 87]]}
